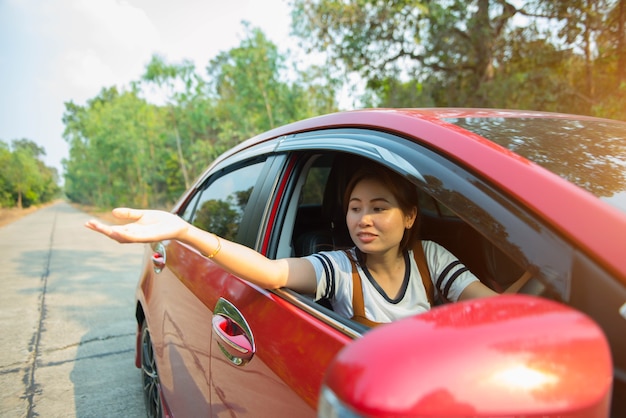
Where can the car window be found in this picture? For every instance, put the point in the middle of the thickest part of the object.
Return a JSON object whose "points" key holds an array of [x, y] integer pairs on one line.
{"points": [[219, 207], [588, 153], [313, 189], [187, 211], [304, 210], [431, 207]]}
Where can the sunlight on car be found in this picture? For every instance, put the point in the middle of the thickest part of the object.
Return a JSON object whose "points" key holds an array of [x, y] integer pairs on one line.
{"points": [[522, 377]]}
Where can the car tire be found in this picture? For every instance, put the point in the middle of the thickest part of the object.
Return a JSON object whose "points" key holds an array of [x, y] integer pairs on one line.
{"points": [[150, 376]]}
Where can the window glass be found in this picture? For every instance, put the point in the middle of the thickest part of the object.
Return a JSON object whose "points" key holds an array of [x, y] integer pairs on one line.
{"points": [[428, 205], [313, 189], [588, 153], [305, 213], [222, 204], [191, 205]]}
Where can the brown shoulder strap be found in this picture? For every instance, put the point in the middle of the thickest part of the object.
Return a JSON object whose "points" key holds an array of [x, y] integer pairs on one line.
{"points": [[422, 266], [358, 305]]}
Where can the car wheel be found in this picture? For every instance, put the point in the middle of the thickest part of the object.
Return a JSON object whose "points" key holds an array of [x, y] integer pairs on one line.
{"points": [[149, 375]]}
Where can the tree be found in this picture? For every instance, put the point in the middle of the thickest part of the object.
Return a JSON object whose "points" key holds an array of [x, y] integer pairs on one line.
{"points": [[6, 196], [183, 90], [451, 41], [245, 81], [253, 95], [578, 24], [25, 180], [610, 65], [115, 150], [532, 73]]}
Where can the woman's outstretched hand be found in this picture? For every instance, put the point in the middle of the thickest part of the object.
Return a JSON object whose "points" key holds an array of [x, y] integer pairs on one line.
{"points": [[146, 226]]}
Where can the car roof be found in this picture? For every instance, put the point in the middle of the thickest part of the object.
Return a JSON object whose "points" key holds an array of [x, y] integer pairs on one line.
{"points": [[400, 121], [590, 224]]}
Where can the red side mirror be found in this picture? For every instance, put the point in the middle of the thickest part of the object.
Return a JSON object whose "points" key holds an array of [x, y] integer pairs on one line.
{"points": [[498, 357]]}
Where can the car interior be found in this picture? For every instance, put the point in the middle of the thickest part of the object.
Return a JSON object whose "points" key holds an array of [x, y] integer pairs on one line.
{"points": [[319, 225]]}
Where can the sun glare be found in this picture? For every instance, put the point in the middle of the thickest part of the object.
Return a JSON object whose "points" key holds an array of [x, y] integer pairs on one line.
{"points": [[524, 378]]}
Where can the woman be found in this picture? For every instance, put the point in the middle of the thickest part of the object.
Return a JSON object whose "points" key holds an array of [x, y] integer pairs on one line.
{"points": [[382, 218]]}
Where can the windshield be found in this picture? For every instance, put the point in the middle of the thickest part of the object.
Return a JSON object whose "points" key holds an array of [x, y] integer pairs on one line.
{"points": [[588, 153]]}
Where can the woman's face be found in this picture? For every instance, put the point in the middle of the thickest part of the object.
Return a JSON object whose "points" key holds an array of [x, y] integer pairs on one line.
{"points": [[375, 220]]}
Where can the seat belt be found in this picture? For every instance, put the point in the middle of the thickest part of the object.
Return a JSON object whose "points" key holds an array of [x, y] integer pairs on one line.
{"points": [[358, 305], [422, 266]]}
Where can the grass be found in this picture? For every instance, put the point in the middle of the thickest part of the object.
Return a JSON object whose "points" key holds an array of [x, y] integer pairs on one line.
{"points": [[8, 215]]}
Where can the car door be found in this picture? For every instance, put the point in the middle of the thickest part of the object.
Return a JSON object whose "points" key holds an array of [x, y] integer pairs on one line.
{"points": [[284, 350], [189, 287]]}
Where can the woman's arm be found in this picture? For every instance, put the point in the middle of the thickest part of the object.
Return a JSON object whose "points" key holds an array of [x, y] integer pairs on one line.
{"points": [[476, 290], [151, 226]]}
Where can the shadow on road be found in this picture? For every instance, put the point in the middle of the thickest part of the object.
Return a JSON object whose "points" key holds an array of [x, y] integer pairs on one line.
{"points": [[88, 328]]}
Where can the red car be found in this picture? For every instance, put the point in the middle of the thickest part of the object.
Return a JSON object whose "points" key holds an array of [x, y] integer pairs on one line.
{"points": [[535, 199]]}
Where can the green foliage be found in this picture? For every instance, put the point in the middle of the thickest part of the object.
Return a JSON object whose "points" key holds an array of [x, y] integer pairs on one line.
{"points": [[219, 217], [116, 144], [252, 96], [25, 180], [189, 114], [6, 195]]}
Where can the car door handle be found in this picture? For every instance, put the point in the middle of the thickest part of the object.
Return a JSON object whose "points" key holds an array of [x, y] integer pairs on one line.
{"points": [[158, 257], [232, 333]]}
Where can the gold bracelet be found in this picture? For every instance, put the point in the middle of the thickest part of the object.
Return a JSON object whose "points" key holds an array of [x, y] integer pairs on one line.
{"points": [[217, 250]]}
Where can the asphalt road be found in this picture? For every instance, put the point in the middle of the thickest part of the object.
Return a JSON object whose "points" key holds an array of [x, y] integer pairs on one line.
{"points": [[67, 329]]}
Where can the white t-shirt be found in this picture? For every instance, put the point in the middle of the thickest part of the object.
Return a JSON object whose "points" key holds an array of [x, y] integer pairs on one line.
{"points": [[334, 281]]}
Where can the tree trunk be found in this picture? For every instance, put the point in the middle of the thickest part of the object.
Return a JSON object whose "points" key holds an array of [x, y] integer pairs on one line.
{"points": [[179, 150], [268, 108], [482, 38], [181, 158], [621, 48], [589, 83]]}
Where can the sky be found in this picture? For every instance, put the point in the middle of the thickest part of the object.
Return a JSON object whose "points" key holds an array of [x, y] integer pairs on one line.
{"points": [[55, 51]]}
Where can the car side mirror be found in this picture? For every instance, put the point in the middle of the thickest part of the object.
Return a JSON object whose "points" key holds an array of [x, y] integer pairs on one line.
{"points": [[510, 356]]}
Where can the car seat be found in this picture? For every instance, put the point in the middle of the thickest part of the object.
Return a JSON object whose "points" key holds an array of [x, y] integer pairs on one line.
{"points": [[333, 233]]}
